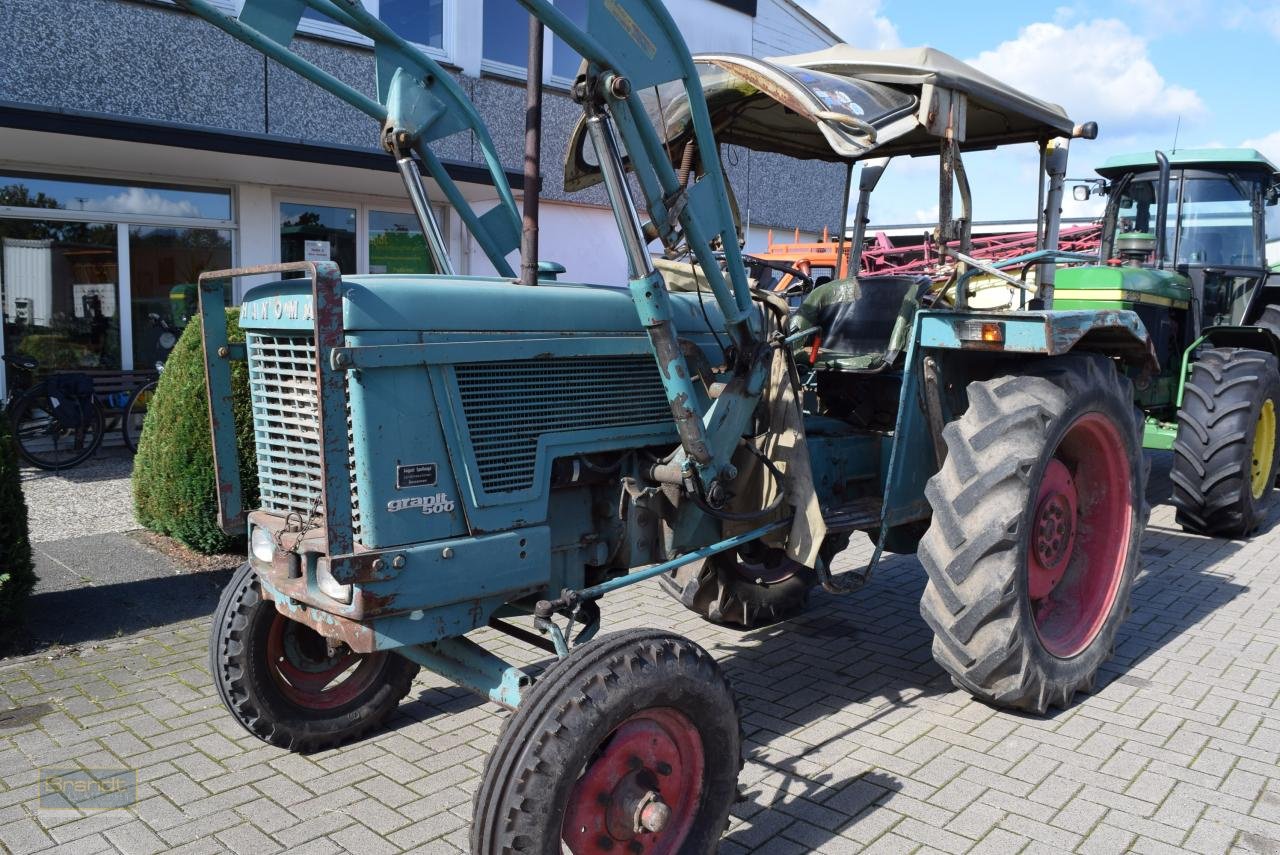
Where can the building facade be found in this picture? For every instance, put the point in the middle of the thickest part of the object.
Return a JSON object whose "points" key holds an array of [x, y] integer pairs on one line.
{"points": [[140, 146]]}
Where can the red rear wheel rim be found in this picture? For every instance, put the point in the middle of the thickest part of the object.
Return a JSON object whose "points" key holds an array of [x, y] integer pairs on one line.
{"points": [[1080, 536], [305, 673], [651, 769]]}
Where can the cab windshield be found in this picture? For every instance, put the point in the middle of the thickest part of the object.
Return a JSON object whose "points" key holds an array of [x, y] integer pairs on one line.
{"points": [[1212, 220]]}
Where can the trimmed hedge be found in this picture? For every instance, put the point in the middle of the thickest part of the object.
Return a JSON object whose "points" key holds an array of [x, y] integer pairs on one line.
{"points": [[174, 488], [17, 572]]}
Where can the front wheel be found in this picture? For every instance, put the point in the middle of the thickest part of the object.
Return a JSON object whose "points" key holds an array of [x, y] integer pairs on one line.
{"points": [[631, 744], [1038, 512], [286, 684]]}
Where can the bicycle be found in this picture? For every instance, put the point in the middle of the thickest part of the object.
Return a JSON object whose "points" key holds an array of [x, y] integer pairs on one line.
{"points": [[135, 412], [57, 422]]}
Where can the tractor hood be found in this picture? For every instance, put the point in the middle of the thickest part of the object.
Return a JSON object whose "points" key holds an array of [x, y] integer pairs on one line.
{"points": [[1138, 285], [839, 104]]}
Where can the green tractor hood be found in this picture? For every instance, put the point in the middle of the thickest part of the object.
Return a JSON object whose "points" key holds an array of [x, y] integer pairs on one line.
{"points": [[1087, 287]]}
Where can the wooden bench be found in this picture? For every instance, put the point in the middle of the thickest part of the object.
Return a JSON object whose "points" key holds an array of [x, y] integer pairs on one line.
{"points": [[112, 389]]}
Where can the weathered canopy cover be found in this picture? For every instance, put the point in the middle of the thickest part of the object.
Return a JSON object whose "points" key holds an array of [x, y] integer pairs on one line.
{"points": [[840, 104]]}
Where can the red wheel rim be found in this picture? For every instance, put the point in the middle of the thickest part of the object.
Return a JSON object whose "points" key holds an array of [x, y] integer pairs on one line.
{"points": [[641, 790], [1080, 532], [300, 664]]}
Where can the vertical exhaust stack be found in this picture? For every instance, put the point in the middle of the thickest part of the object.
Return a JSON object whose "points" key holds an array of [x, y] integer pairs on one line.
{"points": [[532, 156]]}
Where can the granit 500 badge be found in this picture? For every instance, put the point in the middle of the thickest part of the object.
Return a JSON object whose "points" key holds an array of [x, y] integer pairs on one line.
{"points": [[440, 503]]}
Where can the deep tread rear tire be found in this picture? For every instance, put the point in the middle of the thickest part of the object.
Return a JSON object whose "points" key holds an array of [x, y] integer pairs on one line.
{"points": [[563, 720], [975, 552], [1213, 451], [237, 661], [722, 590]]}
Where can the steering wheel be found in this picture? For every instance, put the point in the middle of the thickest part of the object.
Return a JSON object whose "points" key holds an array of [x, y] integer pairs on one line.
{"points": [[803, 285]]}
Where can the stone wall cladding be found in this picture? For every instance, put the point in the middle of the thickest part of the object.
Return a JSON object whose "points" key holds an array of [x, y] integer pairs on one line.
{"points": [[146, 61]]}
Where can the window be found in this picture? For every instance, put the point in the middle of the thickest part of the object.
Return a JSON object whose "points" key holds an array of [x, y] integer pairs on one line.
{"points": [[423, 22], [61, 292], [362, 238], [18, 190], [397, 245], [318, 233], [1210, 220], [506, 39], [85, 262], [164, 266]]}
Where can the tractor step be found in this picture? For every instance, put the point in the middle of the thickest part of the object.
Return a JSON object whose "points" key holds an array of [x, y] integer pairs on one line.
{"points": [[861, 513]]}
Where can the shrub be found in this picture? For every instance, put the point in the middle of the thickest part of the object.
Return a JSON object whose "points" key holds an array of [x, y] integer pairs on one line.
{"points": [[17, 572], [174, 487]]}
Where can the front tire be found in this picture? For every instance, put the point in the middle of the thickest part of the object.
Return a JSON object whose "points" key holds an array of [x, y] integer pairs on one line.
{"points": [[1038, 512], [1224, 464], [631, 744], [283, 685]]}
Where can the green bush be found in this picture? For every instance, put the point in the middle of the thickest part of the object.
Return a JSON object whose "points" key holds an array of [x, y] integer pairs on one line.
{"points": [[17, 573], [174, 487]]}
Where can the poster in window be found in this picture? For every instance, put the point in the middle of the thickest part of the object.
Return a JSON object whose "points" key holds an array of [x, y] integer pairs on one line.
{"points": [[316, 250]]}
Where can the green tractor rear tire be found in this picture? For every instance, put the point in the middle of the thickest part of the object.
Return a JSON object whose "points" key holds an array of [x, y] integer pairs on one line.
{"points": [[1224, 465], [1038, 511]]}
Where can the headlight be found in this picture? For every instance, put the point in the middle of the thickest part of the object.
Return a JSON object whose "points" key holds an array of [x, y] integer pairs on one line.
{"points": [[262, 545], [329, 586]]}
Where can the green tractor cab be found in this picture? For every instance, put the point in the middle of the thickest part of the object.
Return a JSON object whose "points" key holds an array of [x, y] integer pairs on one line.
{"points": [[1184, 246]]}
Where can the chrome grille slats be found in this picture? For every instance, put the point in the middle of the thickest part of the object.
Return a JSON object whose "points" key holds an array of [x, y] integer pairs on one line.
{"points": [[509, 405], [286, 424]]}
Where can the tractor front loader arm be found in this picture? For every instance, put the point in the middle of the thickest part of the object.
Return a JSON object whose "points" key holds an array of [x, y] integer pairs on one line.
{"points": [[629, 45]]}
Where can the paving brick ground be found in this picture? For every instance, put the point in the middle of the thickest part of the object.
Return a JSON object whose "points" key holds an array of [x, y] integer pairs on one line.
{"points": [[856, 740]]}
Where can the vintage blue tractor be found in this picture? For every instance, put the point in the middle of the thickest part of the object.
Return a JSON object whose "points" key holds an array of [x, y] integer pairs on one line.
{"points": [[441, 457]]}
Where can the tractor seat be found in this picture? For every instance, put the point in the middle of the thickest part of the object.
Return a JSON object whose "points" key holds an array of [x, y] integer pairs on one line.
{"points": [[863, 321]]}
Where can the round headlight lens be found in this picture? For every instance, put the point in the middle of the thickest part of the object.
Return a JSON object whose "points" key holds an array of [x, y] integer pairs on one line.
{"points": [[262, 545]]}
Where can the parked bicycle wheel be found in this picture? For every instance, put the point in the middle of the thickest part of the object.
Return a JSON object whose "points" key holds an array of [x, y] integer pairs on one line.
{"points": [[56, 431], [135, 412]]}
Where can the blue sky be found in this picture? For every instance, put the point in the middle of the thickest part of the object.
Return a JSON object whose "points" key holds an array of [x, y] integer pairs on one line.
{"points": [[1137, 68]]}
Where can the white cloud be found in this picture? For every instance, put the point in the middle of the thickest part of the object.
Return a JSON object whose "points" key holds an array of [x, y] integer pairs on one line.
{"points": [[1268, 145], [1099, 70], [137, 200], [858, 22]]}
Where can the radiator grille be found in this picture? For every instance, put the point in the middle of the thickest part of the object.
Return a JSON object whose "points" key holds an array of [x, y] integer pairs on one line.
{"points": [[286, 426], [508, 405]]}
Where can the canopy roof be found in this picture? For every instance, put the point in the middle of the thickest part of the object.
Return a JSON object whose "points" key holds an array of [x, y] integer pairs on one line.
{"points": [[839, 104], [1210, 158]]}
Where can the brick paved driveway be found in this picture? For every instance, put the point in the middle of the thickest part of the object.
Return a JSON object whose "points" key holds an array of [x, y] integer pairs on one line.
{"points": [[856, 740]]}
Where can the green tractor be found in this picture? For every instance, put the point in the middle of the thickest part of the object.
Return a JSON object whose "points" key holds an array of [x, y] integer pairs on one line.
{"points": [[1184, 246]]}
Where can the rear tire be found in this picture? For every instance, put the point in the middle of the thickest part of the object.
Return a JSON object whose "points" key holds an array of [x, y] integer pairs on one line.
{"points": [[1224, 464], [632, 714], [276, 677], [752, 586], [1038, 512], [43, 439]]}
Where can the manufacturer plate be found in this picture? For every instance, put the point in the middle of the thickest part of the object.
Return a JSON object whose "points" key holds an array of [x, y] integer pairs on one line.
{"points": [[415, 475]]}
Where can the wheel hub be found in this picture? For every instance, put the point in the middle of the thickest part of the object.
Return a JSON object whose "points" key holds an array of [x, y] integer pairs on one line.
{"points": [[1053, 530], [641, 790], [1078, 544], [313, 673], [1264, 449]]}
